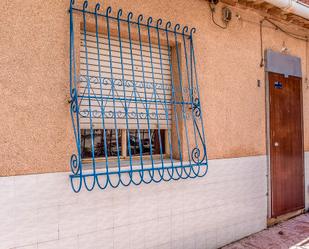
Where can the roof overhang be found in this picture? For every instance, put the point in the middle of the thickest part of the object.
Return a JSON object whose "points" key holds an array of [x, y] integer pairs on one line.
{"points": [[278, 10]]}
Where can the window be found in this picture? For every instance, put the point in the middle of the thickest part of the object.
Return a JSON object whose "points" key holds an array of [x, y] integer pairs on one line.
{"points": [[135, 101], [139, 91], [99, 149]]}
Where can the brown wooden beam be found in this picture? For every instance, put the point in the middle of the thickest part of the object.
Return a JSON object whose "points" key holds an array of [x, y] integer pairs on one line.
{"points": [[230, 2]]}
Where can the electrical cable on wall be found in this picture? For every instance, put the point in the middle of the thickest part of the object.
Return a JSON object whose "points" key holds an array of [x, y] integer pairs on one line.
{"points": [[261, 43], [212, 10], [226, 14], [277, 27]]}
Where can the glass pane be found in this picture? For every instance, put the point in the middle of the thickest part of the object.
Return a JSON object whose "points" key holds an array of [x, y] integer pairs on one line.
{"points": [[98, 141], [146, 143]]}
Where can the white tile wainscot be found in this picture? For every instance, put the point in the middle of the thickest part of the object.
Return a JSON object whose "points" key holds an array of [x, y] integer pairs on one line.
{"points": [[41, 211]]}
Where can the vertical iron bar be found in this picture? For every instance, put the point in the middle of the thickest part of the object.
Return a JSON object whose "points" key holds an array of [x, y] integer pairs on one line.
{"points": [[73, 90], [168, 24], [124, 92], [108, 11], [85, 5], [181, 87], [198, 94], [159, 22], [101, 88], [140, 18], [130, 15], [76, 162], [154, 84], [190, 89]]}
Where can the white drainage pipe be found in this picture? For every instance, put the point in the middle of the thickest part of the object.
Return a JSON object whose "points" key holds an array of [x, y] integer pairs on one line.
{"points": [[294, 6]]}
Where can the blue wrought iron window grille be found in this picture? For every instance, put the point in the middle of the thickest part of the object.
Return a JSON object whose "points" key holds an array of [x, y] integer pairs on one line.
{"points": [[135, 102]]}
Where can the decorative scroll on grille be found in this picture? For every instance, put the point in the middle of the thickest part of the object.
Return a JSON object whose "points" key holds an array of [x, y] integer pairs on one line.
{"points": [[135, 101]]}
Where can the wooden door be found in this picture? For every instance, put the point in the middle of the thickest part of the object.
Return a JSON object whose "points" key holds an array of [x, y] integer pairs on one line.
{"points": [[286, 144]]}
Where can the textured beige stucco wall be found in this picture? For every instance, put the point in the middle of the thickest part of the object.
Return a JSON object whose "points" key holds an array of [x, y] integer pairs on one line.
{"points": [[35, 131]]}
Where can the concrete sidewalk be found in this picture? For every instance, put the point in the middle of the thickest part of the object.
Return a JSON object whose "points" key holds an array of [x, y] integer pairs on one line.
{"points": [[293, 234]]}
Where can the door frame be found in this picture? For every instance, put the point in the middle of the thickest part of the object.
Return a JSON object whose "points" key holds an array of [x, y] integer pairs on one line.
{"points": [[280, 63]]}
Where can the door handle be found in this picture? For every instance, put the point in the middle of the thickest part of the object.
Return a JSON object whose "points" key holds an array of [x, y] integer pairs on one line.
{"points": [[276, 144]]}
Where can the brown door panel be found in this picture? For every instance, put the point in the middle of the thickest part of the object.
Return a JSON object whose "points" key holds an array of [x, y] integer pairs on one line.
{"points": [[286, 144]]}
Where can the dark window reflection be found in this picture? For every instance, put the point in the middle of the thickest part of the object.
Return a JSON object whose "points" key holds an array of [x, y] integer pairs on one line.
{"points": [[154, 142], [98, 141]]}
